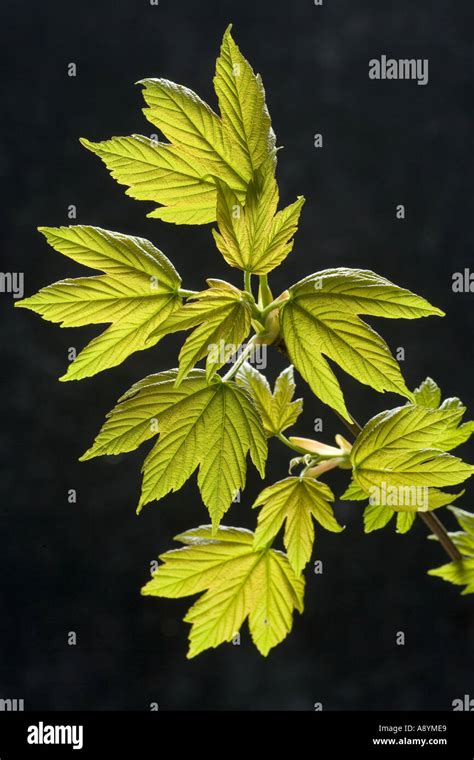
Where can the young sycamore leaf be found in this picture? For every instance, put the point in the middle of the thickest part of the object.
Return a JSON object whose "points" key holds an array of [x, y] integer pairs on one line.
{"points": [[134, 419], [377, 516], [136, 295], [200, 425], [320, 319], [193, 127], [297, 500], [181, 175], [354, 492], [255, 238], [239, 583], [400, 447], [460, 573], [222, 318], [163, 173], [246, 125], [428, 395], [277, 410], [404, 523]]}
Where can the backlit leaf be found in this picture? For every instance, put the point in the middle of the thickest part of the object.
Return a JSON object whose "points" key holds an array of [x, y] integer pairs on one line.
{"points": [[137, 294], [239, 583], [460, 573], [295, 501], [255, 238], [320, 319], [222, 318], [277, 410], [210, 426], [429, 395], [248, 135], [399, 448], [180, 175]]}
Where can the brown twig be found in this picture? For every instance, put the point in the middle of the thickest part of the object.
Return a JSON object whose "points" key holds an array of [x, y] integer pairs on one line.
{"points": [[436, 526]]}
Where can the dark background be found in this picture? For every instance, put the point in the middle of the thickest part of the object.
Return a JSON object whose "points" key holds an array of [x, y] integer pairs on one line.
{"points": [[78, 567]]}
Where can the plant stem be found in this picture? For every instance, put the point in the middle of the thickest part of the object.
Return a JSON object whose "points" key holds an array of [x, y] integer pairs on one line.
{"points": [[281, 437], [276, 304], [431, 520], [187, 293], [242, 358], [264, 292], [436, 526], [352, 426], [248, 282]]}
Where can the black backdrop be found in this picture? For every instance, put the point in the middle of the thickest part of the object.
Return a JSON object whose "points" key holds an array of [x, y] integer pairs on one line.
{"points": [[78, 567]]}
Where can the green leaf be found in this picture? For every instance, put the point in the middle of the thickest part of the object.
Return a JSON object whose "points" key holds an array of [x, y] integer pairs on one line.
{"points": [[464, 539], [200, 425], [354, 492], [460, 573], [162, 173], [378, 515], [466, 521], [191, 125], [457, 436], [247, 131], [285, 410], [294, 500], [428, 467], [320, 319], [255, 238], [239, 583], [204, 148], [400, 448], [277, 410], [405, 521], [386, 452], [428, 394], [136, 295], [135, 417], [210, 426], [222, 318]]}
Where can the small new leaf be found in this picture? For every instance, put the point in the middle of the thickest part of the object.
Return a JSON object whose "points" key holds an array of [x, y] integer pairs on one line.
{"points": [[297, 501], [277, 410], [239, 583], [136, 295], [460, 573], [428, 395], [247, 132], [320, 319], [463, 539], [222, 318], [401, 447], [378, 515], [255, 238]]}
